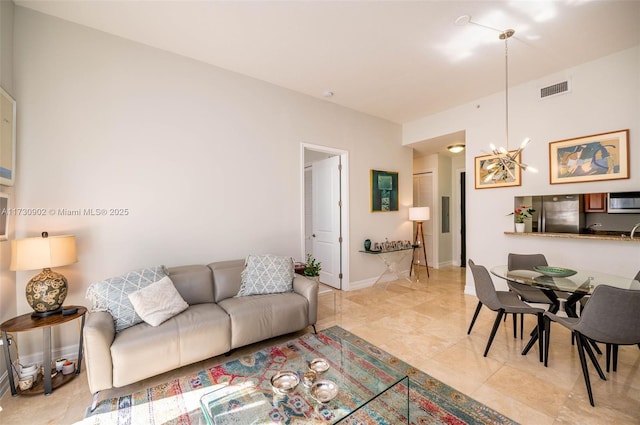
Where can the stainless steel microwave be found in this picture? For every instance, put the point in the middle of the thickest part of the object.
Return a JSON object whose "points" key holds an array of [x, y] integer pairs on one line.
{"points": [[624, 202]]}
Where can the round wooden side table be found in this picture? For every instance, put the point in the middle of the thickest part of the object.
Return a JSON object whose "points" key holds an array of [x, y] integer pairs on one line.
{"points": [[24, 323]]}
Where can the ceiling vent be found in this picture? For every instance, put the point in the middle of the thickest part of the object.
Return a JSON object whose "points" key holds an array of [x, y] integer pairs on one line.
{"points": [[555, 89]]}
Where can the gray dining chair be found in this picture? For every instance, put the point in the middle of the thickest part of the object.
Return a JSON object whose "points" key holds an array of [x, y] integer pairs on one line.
{"points": [[610, 317], [501, 302], [635, 286], [528, 293]]}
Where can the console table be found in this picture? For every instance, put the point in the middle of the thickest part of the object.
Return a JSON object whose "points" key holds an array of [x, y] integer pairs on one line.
{"points": [[25, 323], [391, 259]]}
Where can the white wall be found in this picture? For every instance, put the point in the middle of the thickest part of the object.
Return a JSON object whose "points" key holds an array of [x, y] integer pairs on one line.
{"points": [[206, 161], [7, 278], [445, 244], [605, 97], [429, 164]]}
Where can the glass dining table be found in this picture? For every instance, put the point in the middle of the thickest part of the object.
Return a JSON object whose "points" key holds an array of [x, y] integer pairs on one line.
{"points": [[578, 284]]}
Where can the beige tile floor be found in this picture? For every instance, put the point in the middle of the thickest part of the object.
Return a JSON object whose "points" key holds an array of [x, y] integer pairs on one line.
{"points": [[425, 325]]}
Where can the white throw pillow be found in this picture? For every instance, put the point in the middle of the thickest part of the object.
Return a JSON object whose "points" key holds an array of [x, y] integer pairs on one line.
{"points": [[158, 302], [267, 274]]}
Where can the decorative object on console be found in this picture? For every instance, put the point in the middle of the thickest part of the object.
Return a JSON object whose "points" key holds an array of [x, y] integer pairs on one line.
{"points": [[384, 191], [591, 158], [46, 291], [506, 161], [367, 244], [419, 214]]}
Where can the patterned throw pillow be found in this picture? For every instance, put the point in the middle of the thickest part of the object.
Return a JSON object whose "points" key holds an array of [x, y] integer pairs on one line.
{"points": [[158, 302], [266, 274], [112, 294]]}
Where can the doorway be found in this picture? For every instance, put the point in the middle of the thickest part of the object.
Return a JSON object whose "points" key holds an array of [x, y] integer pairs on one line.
{"points": [[463, 218], [324, 211], [423, 193]]}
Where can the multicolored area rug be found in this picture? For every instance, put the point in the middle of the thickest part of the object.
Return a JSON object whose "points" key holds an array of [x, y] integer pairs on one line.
{"points": [[177, 402]]}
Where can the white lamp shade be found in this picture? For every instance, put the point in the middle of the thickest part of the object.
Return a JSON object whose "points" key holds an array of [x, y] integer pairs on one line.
{"points": [[419, 213], [41, 253]]}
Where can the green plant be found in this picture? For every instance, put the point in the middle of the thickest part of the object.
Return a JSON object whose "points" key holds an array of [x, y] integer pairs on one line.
{"points": [[522, 213], [312, 268]]}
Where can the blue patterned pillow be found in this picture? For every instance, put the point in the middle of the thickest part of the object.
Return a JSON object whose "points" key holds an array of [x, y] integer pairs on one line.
{"points": [[266, 274], [112, 294]]}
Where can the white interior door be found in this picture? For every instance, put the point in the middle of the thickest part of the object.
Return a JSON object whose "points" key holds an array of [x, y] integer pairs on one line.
{"points": [[326, 218]]}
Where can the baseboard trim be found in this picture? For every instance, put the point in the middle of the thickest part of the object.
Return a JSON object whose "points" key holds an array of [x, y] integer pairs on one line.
{"points": [[68, 352]]}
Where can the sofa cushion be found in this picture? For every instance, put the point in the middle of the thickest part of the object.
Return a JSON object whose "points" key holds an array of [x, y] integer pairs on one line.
{"points": [[157, 302], [200, 332], [112, 294], [267, 274], [258, 317], [194, 283], [226, 278]]}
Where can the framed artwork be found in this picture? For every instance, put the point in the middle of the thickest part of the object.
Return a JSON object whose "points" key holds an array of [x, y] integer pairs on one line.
{"points": [[384, 191], [487, 167], [591, 158], [7, 138], [4, 216]]}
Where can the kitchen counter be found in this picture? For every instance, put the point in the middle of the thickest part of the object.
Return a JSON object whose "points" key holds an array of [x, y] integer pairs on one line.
{"points": [[606, 236]]}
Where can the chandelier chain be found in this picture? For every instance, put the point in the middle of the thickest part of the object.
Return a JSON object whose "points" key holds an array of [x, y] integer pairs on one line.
{"points": [[506, 85]]}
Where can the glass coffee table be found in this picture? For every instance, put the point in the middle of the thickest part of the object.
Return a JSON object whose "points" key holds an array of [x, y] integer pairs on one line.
{"points": [[369, 390]]}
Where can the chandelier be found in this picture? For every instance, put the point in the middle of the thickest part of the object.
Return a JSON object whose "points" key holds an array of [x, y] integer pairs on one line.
{"points": [[506, 161]]}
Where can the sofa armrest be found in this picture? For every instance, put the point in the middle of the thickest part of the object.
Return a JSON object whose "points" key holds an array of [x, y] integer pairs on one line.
{"points": [[308, 288], [99, 332]]}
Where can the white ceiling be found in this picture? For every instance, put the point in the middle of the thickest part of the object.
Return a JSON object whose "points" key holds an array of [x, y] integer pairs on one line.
{"points": [[398, 60]]}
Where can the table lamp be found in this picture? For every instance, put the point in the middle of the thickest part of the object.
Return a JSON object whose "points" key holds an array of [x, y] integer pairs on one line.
{"points": [[47, 290], [419, 214]]}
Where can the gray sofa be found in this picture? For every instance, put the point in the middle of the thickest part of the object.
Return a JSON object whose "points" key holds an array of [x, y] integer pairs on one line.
{"points": [[215, 323]]}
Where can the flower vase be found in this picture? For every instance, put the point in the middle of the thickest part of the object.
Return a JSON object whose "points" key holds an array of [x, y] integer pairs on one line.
{"points": [[519, 227]]}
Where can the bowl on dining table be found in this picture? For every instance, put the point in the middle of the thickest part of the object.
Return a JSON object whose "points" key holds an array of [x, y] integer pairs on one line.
{"points": [[554, 271]]}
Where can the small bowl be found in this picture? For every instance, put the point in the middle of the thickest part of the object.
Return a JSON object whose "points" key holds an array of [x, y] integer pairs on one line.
{"points": [[323, 390], [284, 382], [31, 371], [59, 364], [319, 365], [28, 370], [68, 368]]}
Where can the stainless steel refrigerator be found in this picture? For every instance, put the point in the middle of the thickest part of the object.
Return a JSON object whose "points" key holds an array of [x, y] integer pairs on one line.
{"points": [[562, 214]]}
